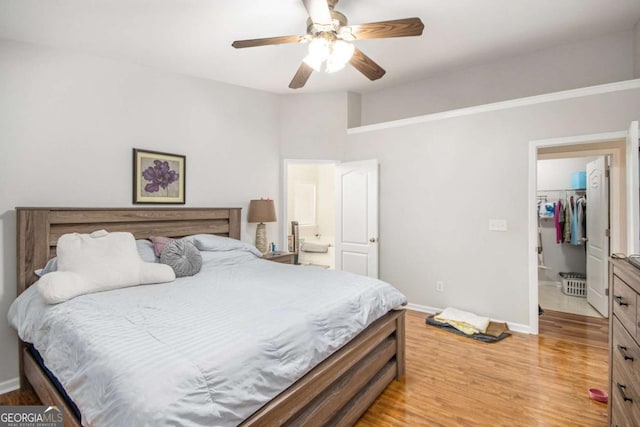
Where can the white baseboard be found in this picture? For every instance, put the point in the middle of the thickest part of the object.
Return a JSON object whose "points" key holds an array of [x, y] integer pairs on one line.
{"points": [[9, 385], [423, 308], [515, 327]]}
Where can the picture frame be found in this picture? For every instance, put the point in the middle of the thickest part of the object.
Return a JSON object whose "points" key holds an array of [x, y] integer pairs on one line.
{"points": [[158, 178]]}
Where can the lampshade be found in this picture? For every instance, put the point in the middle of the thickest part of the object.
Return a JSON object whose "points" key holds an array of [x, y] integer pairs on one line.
{"points": [[263, 210]]}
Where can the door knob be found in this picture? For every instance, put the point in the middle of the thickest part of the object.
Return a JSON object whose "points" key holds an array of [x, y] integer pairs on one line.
{"points": [[372, 240]]}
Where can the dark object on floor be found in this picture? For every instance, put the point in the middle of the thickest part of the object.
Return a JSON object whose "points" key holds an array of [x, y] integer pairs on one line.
{"points": [[478, 337], [540, 310]]}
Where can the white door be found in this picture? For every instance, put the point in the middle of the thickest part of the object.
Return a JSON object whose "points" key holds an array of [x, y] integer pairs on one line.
{"points": [[633, 228], [597, 240], [357, 217]]}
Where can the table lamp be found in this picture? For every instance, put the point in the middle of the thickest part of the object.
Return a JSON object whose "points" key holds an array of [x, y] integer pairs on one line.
{"points": [[261, 211]]}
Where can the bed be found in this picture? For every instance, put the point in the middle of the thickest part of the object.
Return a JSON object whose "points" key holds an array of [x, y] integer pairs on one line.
{"points": [[337, 391]]}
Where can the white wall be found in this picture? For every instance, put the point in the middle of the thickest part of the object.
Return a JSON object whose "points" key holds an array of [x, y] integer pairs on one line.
{"points": [[555, 174], [441, 182], [636, 53], [327, 202], [601, 60], [68, 124], [312, 126]]}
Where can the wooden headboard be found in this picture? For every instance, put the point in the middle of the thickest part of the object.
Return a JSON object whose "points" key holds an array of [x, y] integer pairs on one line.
{"points": [[39, 228]]}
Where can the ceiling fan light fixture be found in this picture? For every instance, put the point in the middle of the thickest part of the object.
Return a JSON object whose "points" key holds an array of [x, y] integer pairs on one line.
{"points": [[342, 51], [319, 48], [336, 53], [333, 65], [313, 62], [319, 51]]}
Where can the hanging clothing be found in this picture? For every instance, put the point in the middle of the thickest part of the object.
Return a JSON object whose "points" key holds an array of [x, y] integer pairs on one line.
{"points": [[558, 219], [577, 223], [575, 234], [569, 217], [578, 231], [568, 214], [584, 217]]}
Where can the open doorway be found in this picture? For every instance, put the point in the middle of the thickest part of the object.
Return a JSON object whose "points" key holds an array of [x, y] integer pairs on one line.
{"points": [[573, 209], [614, 145], [335, 208], [310, 201]]}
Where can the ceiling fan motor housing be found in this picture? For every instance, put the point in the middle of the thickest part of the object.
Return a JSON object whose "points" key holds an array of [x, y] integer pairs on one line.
{"points": [[339, 20]]}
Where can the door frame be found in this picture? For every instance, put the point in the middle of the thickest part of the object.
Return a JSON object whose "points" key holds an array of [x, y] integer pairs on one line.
{"points": [[284, 224], [580, 140]]}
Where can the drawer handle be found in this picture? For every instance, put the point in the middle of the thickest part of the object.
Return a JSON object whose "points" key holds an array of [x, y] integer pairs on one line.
{"points": [[622, 387], [623, 351], [618, 299]]}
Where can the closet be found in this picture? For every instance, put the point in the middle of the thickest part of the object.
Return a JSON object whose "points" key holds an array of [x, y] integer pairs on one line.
{"points": [[568, 250]]}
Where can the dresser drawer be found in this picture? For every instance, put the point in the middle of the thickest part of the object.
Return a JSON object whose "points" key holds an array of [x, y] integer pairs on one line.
{"points": [[626, 352], [637, 318], [620, 415], [625, 305], [627, 410]]}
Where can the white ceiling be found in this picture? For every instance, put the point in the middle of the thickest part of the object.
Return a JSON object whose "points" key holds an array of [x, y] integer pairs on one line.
{"points": [[194, 36]]}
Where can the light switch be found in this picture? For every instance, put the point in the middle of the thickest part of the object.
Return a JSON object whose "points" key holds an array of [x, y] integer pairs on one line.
{"points": [[497, 225]]}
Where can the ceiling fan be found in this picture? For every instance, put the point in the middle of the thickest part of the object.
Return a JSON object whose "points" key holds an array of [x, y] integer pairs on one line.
{"points": [[329, 37]]}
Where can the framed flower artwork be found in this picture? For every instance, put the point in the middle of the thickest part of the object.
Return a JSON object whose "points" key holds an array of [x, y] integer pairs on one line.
{"points": [[158, 177]]}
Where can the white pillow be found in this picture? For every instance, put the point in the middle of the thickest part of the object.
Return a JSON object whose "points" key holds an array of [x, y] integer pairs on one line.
{"points": [[145, 250], [97, 262]]}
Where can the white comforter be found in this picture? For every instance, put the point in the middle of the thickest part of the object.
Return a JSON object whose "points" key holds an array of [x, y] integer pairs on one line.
{"points": [[207, 350]]}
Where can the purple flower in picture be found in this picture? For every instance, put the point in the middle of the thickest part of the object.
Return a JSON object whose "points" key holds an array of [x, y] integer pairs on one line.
{"points": [[160, 176]]}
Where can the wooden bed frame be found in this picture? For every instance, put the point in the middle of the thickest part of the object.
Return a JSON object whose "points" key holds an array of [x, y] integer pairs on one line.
{"points": [[337, 391]]}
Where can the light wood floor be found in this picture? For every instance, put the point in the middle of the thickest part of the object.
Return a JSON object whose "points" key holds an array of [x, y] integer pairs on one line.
{"points": [[523, 380]]}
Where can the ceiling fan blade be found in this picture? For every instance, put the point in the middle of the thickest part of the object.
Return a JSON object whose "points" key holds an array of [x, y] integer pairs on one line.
{"points": [[318, 11], [301, 77], [396, 28], [238, 44], [366, 65]]}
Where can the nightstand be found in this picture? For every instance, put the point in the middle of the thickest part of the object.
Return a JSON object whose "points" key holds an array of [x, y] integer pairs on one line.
{"points": [[282, 257]]}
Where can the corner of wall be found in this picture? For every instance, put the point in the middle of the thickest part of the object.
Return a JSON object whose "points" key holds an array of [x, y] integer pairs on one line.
{"points": [[314, 125], [354, 109]]}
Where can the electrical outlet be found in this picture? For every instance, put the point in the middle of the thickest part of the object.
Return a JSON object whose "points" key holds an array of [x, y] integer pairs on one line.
{"points": [[440, 286]]}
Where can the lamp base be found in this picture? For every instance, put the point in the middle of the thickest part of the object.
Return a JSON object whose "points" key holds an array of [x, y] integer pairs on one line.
{"points": [[261, 237]]}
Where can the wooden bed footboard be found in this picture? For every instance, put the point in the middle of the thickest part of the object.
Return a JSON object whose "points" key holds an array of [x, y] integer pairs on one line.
{"points": [[45, 389], [340, 389]]}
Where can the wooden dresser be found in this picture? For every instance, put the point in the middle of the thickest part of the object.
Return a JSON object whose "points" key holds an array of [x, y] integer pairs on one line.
{"points": [[624, 343]]}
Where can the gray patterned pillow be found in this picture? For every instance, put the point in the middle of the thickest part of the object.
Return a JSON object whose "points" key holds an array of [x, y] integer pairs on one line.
{"points": [[183, 257]]}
